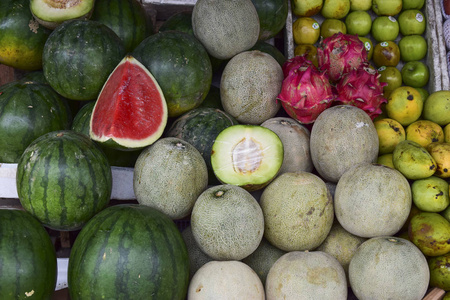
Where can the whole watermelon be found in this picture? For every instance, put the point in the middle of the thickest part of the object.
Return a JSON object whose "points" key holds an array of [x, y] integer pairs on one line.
{"points": [[78, 57], [63, 179], [27, 257], [180, 65], [127, 18], [28, 109], [129, 251]]}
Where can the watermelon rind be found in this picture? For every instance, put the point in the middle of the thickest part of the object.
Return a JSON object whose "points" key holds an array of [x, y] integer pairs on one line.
{"points": [[101, 123]]}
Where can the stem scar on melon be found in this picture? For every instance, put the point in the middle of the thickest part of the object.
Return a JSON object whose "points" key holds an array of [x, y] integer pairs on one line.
{"points": [[131, 111]]}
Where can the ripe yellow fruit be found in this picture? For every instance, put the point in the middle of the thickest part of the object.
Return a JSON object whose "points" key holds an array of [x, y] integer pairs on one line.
{"points": [[404, 105], [306, 30], [390, 133]]}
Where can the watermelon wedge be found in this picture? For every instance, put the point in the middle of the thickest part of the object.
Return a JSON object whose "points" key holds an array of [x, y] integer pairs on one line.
{"points": [[130, 112]]}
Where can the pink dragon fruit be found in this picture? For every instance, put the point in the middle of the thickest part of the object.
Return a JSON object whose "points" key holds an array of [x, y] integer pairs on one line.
{"points": [[341, 53], [294, 63], [305, 92], [361, 88]]}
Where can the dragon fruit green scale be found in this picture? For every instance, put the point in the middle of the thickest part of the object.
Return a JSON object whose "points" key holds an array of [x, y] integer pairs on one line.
{"points": [[305, 93]]}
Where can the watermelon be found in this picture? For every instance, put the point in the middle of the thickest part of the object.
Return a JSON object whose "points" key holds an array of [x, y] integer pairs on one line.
{"points": [[272, 16], [270, 49], [22, 39], [28, 109], [78, 57], [181, 66], [63, 179], [27, 257], [200, 127], [127, 18], [81, 123], [131, 111], [129, 251], [181, 21]]}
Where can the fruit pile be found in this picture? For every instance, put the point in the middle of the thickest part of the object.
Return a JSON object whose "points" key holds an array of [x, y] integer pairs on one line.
{"points": [[271, 162]]}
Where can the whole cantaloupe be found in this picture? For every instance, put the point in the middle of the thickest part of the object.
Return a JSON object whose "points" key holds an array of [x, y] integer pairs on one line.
{"points": [[295, 139], [224, 280], [306, 275], [225, 27], [298, 211], [249, 86], [372, 200], [197, 258], [389, 268], [169, 175], [342, 136], [227, 222]]}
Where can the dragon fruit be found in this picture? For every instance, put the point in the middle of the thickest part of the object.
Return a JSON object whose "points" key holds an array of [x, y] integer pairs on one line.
{"points": [[305, 91], [361, 88], [294, 63], [341, 53]]}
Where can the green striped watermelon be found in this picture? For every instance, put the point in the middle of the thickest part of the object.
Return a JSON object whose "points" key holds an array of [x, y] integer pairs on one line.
{"points": [[78, 57], [272, 17], [127, 18], [28, 110], [129, 251], [63, 179], [180, 65], [27, 257]]}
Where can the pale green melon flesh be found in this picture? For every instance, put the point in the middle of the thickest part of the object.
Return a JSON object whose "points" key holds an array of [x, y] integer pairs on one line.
{"points": [[249, 156], [57, 11]]}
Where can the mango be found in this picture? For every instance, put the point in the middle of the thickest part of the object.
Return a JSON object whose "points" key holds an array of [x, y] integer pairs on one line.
{"points": [[436, 107], [440, 151], [430, 232], [386, 160], [446, 213], [440, 271], [405, 105], [390, 133], [424, 132], [430, 194], [413, 160], [447, 133]]}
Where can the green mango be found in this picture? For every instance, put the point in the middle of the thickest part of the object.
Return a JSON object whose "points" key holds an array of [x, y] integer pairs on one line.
{"points": [[413, 160], [430, 194], [430, 232], [440, 271]]}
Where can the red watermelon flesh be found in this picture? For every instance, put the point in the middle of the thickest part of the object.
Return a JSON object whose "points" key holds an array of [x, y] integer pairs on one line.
{"points": [[130, 111]]}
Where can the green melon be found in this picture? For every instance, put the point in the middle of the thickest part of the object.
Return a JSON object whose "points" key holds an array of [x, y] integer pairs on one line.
{"points": [[79, 56], [129, 251], [180, 65], [197, 258], [272, 16], [27, 257], [63, 179], [28, 109]]}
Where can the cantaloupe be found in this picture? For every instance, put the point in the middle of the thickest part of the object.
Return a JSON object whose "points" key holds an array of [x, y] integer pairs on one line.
{"points": [[299, 275], [389, 268], [342, 136]]}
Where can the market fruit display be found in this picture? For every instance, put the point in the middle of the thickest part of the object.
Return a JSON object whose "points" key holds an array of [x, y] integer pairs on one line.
{"points": [[69, 53], [23, 38], [169, 176], [129, 251], [28, 257], [127, 18], [224, 280], [249, 156], [130, 93], [52, 13], [226, 28], [28, 109], [184, 84], [306, 275], [227, 222], [395, 268], [55, 186]]}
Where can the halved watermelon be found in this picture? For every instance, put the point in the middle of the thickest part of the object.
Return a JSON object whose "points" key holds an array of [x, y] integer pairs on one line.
{"points": [[130, 111]]}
